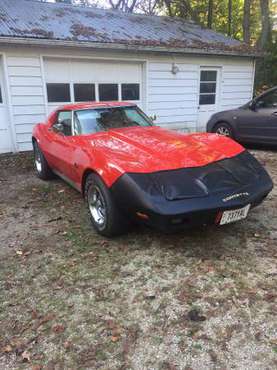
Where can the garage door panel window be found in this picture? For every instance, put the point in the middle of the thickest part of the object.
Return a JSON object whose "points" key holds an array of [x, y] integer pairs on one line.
{"points": [[84, 92], [130, 91], [207, 93], [58, 92], [108, 92]]}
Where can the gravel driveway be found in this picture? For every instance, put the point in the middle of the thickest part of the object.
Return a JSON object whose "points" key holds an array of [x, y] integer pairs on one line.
{"points": [[70, 299]]}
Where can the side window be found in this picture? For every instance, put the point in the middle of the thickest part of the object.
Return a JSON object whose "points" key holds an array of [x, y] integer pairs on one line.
{"points": [[63, 124], [268, 101], [86, 121], [207, 94]]}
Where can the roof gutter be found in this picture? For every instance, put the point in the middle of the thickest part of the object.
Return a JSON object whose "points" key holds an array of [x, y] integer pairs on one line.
{"points": [[121, 47]]}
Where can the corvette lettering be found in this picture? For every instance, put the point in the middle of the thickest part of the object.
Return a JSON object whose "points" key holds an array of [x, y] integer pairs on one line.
{"points": [[234, 196]]}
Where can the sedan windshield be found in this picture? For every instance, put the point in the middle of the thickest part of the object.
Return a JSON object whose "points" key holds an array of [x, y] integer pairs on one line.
{"points": [[89, 121]]}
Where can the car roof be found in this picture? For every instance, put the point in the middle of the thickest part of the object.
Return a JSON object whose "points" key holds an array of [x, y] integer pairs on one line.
{"points": [[92, 105]]}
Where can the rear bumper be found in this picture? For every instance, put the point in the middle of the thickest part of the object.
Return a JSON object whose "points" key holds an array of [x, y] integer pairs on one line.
{"points": [[138, 195]]}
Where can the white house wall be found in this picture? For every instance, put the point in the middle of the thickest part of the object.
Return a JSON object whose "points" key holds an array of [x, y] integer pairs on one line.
{"points": [[26, 95], [172, 98]]}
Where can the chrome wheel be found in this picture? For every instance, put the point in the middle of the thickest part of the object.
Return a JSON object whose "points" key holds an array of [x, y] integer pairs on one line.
{"points": [[38, 161], [222, 130], [97, 206]]}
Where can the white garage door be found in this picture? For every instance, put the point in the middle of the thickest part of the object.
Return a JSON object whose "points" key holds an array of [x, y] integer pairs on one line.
{"points": [[70, 80], [5, 137]]}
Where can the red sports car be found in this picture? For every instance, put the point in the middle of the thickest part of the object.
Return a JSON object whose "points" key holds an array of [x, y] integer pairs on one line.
{"points": [[129, 170]]}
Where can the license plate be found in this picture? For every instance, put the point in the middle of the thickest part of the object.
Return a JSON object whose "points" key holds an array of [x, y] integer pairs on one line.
{"points": [[234, 215]]}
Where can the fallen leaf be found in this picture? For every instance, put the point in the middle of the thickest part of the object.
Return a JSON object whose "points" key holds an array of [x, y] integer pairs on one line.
{"points": [[58, 328], [149, 296], [54, 219], [36, 367], [17, 343], [61, 191], [26, 356], [67, 344], [114, 339], [7, 349], [44, 320], [194, 315], [104, 243], [34, 314], [116, 332]]}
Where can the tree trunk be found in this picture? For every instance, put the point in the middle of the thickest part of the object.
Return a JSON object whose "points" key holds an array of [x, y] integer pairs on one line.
{"points": [[246, 21], [265, 36], [168, 7], [210, 14], [230, 17]]}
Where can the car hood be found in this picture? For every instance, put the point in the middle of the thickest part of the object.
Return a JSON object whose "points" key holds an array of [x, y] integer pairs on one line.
{"points": [[152, 149], [229, 112]]}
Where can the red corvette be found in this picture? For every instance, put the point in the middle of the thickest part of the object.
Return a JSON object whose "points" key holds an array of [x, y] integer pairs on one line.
{"points": [[129, 170]]}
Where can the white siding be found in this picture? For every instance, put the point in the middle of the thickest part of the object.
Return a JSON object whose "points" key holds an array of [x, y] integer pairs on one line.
{"points": [[237, 85], [27, 98], [173, 98]]}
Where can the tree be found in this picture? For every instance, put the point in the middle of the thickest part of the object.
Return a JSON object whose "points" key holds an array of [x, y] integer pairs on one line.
{"points": [[149, 7], [126, 6], [230, 9], [265, 37], [210, 14], [246, 21]]}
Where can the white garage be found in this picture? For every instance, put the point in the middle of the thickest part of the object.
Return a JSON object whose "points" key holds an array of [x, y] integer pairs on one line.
{"points": [[54, 54]]}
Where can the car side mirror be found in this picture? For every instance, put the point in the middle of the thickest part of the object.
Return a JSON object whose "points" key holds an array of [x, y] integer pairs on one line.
{"points": [[58, 127], [153, 118]]}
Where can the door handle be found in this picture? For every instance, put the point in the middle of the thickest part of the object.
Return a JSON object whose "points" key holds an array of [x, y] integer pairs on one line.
{"points": [[274, 114]]}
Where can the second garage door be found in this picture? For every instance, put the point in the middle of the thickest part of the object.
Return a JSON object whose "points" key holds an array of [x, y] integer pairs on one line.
{"points": [[72, 80]]}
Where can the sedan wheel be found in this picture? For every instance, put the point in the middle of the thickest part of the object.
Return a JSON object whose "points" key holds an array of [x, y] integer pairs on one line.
{"points": [[223, 129]]}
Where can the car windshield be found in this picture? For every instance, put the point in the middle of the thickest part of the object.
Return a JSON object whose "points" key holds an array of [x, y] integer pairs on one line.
{"points": [[89, 121]]}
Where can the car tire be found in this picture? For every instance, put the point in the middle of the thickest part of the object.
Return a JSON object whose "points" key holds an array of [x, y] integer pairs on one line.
{"points": [[42, 168], [224, 129], [104, 214]]}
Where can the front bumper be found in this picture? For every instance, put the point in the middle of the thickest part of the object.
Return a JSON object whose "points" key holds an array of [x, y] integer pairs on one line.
{"points": [[180, 199]]}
